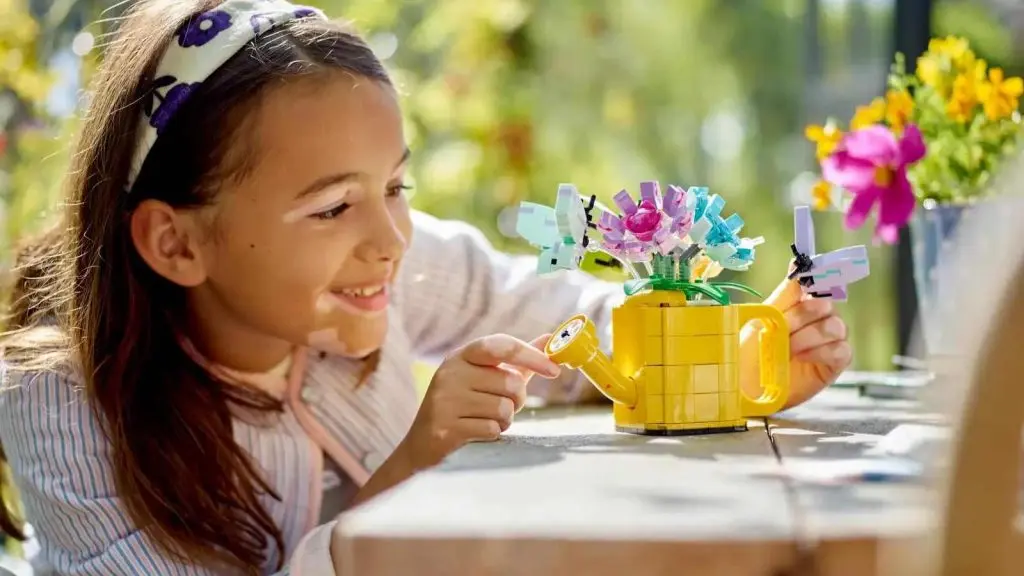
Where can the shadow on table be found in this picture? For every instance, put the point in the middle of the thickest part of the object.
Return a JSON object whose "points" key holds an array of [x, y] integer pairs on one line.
{"points": [[849, 413], [530, 451]]}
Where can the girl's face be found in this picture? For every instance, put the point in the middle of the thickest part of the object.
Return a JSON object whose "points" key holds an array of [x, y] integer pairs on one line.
{"points": [[306, 245]]}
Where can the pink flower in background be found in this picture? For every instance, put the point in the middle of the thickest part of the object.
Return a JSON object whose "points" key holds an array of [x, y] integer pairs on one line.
{"points": [[871, 163], [644, 222]]}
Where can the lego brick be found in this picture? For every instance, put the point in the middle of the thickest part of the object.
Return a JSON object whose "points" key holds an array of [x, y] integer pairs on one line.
{"points": [[729, 377], [626, 416], [706, 379], [679, 409], [653, 350], [655, 409], [678, 379], [652, 320], [700, 321], [702, 426], [699, 349], [651, 381], [729, 405], [706, 407]]}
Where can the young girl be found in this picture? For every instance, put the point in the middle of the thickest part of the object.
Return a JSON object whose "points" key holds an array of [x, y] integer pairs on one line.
{"points": [[209, 359]]}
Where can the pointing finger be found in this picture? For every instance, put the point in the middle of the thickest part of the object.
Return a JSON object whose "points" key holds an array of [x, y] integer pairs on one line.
{"points": [[539, 343], [500, 349]]}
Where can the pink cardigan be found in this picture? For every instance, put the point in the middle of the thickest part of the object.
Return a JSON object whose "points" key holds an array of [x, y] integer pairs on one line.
{"points": [[453, 287]]}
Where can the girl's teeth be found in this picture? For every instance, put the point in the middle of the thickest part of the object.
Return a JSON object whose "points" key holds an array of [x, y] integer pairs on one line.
{"points": [[362, 292]]}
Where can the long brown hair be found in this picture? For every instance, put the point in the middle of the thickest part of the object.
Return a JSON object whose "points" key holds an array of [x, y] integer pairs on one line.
{"points": [[84, 297]]}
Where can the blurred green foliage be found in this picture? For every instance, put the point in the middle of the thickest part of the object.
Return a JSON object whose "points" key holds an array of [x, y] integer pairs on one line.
{"points": [[505, 99], [988, 37]]}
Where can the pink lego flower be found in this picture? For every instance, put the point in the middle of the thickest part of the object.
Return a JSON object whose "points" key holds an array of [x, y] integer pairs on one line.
{"points": [[644, 222], [871, 163]]}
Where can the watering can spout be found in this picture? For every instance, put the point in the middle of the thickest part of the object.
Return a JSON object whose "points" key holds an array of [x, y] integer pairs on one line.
{"points": [[575, 344]]}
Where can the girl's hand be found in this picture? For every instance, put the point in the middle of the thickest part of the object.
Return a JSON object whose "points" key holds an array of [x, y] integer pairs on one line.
{"points": [[474, 395], [819, 351]]}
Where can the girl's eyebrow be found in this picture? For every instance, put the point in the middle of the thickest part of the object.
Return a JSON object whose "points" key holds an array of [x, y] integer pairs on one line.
{"points": [[405, 157], [334, 179], [326, 182]]}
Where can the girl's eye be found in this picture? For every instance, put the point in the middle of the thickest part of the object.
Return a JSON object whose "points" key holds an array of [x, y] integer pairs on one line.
{"points": [[398, 189], [332, 212]]}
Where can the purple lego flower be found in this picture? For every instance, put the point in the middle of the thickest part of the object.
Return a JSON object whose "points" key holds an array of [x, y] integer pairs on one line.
{"points": [[625, 203], [610, 223], [665, 241], [169, 103], [626, 250], [673, 203], [200, 30], [673, 200], [655, 223], [649, 192]]}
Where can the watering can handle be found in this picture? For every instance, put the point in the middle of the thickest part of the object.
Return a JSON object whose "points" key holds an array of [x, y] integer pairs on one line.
{"points": [[773, 345]]}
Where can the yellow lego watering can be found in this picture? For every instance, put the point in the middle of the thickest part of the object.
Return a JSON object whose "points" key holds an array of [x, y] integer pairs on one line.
{"points": [[675, 364]]}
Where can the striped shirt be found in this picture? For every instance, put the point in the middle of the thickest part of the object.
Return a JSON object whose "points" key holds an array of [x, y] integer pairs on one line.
{"points": [[453, 286]]}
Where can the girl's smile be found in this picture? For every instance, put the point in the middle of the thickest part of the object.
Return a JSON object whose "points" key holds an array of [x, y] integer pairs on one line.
{"points": [[368, 300]]}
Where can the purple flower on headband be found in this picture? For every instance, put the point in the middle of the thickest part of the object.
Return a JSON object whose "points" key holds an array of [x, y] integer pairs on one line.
{"points": [[169, 103], [200, 29], [305, 13]]}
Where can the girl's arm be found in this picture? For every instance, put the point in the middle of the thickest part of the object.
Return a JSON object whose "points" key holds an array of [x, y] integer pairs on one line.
{"points": [[60, 462], [454, 286]]}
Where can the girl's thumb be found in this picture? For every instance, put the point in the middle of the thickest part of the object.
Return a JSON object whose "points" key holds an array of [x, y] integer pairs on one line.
{"points": [[786, 295]]}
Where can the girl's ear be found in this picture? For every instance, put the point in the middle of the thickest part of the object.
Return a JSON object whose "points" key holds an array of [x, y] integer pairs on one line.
{"points": [[169, 241]]}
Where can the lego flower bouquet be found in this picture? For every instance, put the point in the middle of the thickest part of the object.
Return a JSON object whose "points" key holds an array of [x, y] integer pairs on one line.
{"points": [[938, 136], [673, 240], [675, 339]]}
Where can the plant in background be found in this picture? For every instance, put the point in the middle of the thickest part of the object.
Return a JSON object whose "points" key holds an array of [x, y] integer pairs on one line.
{"points": [[937, 136]]}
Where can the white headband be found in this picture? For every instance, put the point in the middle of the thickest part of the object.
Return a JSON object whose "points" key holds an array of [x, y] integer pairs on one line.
{"points": [[198, 49]]}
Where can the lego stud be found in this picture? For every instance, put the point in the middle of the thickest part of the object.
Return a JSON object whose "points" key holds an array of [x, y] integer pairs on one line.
{"points": [[563, 337]]}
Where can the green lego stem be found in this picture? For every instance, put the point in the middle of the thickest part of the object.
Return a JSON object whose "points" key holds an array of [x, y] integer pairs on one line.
{"points": [[713, 290]]}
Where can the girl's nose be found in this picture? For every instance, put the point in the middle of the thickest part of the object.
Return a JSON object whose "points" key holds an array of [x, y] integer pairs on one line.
{"points": [[385, 241]]}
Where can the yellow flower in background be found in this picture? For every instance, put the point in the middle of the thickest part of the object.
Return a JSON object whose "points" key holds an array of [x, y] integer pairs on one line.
{"points": [[1000, 97], [898, 107], [970, 116], [821, 195], [929, 71], [945, 57], [963, 99], [957, 49], [868, 115], [826, 138]]}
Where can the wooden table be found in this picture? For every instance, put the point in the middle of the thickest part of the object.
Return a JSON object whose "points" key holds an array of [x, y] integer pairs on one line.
{"points": [[562, 493]]}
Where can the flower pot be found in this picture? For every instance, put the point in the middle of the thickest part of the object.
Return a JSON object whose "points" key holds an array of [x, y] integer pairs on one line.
{"points": [[933, 231], [675, 364]]}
